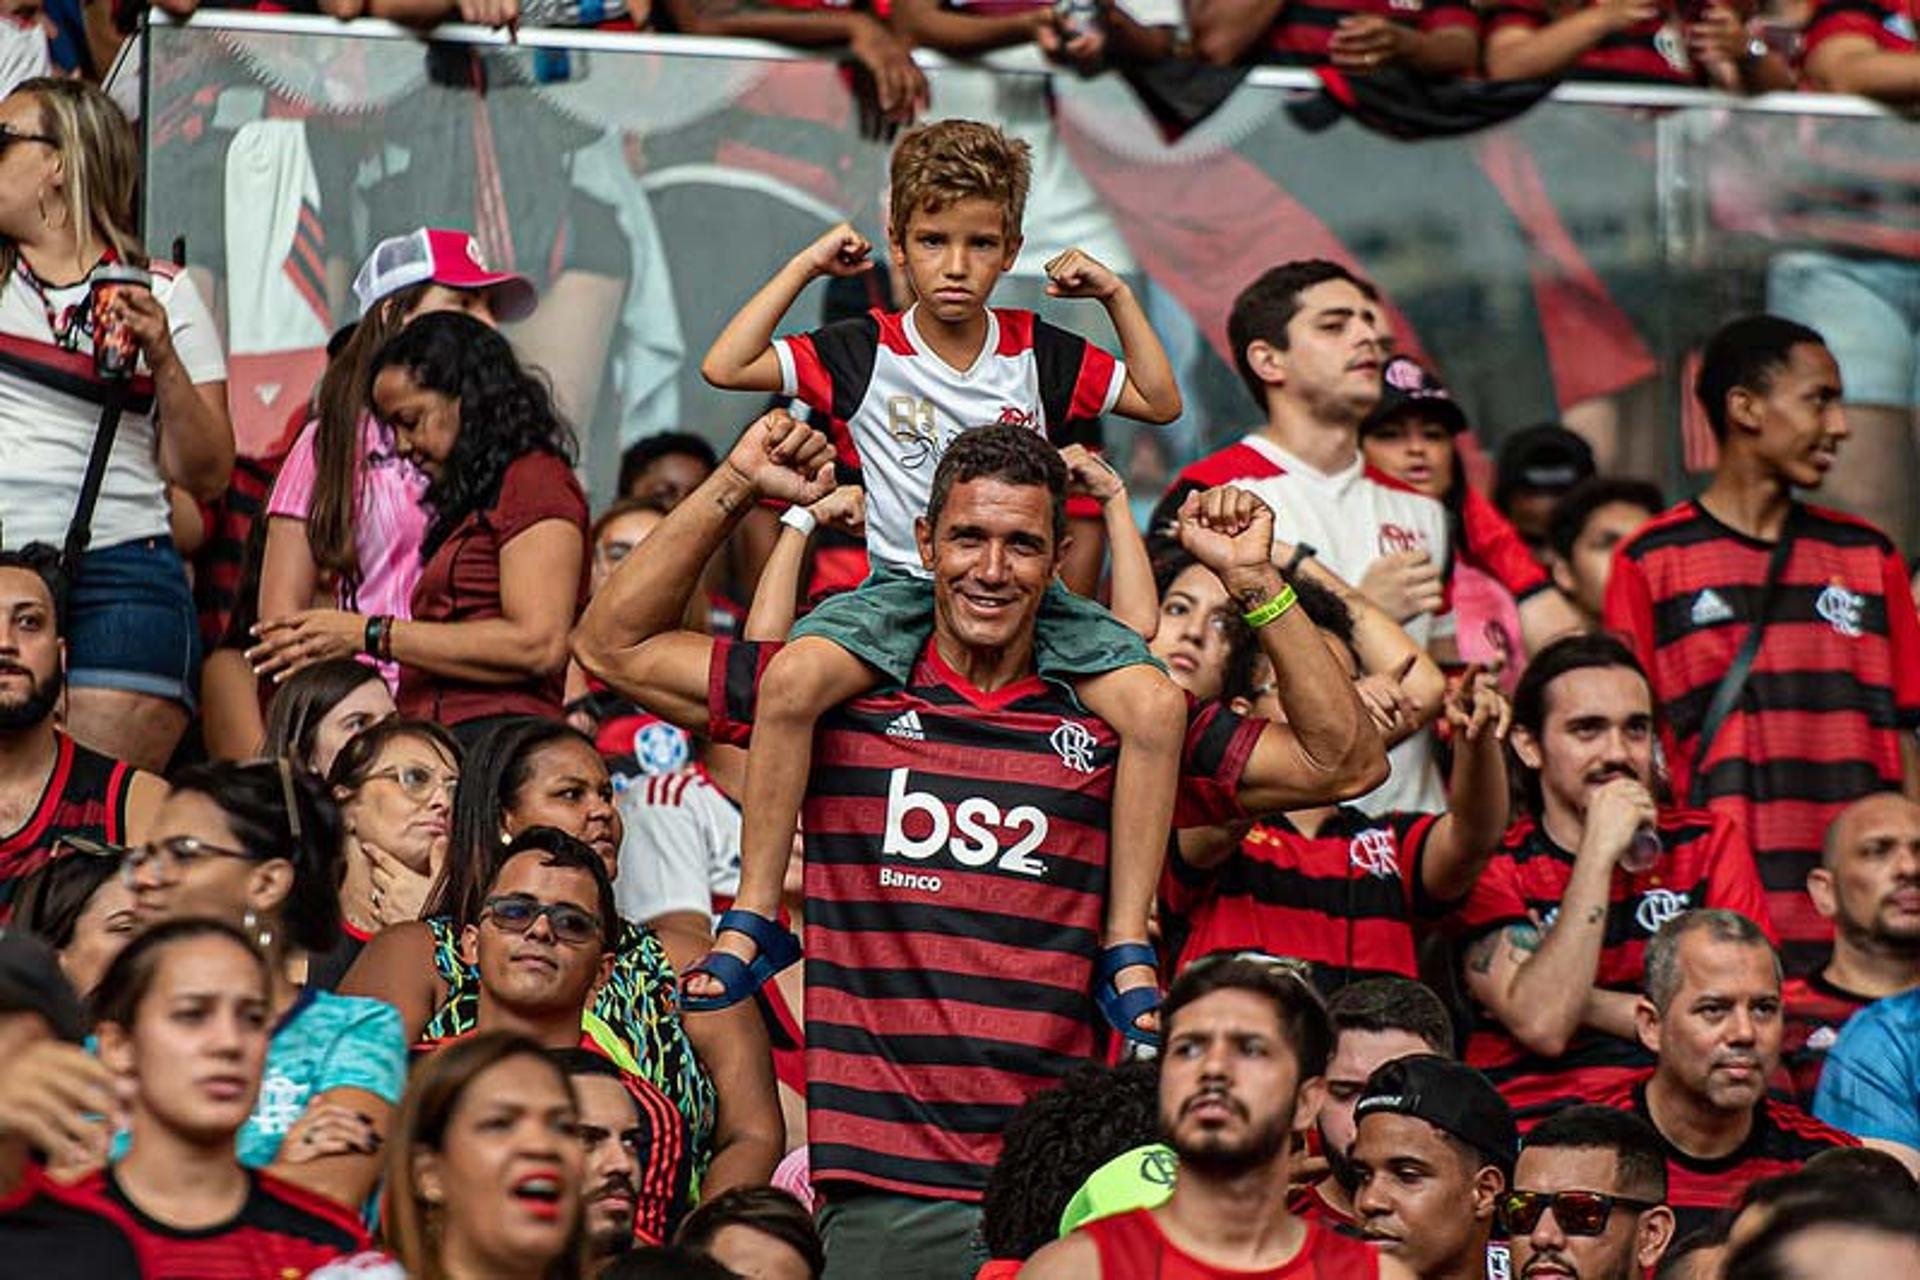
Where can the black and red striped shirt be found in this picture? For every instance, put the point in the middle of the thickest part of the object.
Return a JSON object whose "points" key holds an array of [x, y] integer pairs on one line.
{"points": [[1782, 1139], [85, 796], [956, 885], [51, 1232], [1706, 863], [280, 1231], [1814, 1011], [1651, 50], [1346, 898], [1819, 721], [1303, 33]]}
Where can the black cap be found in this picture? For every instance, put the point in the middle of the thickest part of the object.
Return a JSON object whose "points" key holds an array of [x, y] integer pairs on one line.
{"points": [[1450, 1096], [31, 982], [1408, 386], [1543, 459]]}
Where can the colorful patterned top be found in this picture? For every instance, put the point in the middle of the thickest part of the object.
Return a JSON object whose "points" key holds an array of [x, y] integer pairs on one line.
{"points": [[640, 1005]]}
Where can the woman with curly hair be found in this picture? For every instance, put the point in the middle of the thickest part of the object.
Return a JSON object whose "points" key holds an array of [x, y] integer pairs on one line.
{"points": [[505, 547]]}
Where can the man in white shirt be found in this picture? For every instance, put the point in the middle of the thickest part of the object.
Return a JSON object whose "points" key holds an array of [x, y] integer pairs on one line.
{"points": [[1309, 339]]}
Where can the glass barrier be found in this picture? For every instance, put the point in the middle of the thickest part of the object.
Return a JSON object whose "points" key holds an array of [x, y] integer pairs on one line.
{"points": [[1561, 265]]}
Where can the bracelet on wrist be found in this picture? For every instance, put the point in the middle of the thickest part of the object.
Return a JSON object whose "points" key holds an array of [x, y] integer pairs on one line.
{"points": [[373, 636], [799, 518], [1302, 552], [1260, 615]]}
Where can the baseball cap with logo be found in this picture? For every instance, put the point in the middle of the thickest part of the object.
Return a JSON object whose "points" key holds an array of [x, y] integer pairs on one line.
{"points": [[1138, 1178], [450, 258], [1406, 386], [1451, 1097]]}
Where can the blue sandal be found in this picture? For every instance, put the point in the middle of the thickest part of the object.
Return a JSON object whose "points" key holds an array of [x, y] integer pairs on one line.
{"points": [[1123, 1009], [739, 979]]}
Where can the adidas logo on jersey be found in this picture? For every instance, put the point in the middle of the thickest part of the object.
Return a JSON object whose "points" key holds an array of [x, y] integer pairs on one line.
{"points": [[1709, 608], [907, 725]]}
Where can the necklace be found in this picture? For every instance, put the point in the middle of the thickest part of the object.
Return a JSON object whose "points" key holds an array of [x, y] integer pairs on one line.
{"points": [[66, 324]]}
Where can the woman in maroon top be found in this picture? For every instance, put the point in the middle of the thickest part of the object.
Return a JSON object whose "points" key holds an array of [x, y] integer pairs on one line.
{"points": [[505, 550]]}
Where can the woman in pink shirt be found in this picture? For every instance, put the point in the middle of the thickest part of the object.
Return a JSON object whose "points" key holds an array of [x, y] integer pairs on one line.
{"points": [[345, 515]]}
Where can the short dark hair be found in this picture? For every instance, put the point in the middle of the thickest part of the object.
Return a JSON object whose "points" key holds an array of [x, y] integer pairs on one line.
{"points": [[621, 506], [1596, 650], [53, 895], [1055, 1142], [1393, 1004], [768, 1210], [1303, 1016], [1745, 354], [1640, 1162], [1763, 1257], [662, 1262], [1011, 454], [42, 560], [1264, 309], [1571, 513], [647, 450], [1861, 1166], [558, 849], [1677, 1260], [124, 986]]}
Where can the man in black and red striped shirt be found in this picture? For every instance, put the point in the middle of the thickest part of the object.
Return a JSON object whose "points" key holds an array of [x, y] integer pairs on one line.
{"points": [[1712, 1012], [1868, 884], [1826, 714], [1437, 37], [1557, 925], [956, 827]]}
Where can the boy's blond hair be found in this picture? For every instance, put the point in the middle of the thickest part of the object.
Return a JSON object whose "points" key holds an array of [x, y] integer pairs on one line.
{"points": [[938, 164]]}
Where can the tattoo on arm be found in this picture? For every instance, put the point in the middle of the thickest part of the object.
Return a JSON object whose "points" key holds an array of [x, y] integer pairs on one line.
{"points": [[1523, 940], [1596, 915], [1480, 954]]}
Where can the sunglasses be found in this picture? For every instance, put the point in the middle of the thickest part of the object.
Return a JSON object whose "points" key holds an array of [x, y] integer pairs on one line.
{"points": [[516, 914], [10, 136], [1579, 1213], [417, 781]]}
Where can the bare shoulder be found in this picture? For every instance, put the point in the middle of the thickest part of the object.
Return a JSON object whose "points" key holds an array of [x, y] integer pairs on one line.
{"points": [[1074, 1258]]}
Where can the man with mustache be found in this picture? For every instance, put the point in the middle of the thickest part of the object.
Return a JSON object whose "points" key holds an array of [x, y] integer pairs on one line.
{"points": [[1588, 1199], [1246, 1049], [50, 785], [1556, 926], [1868, 884], [611, 1129], [1712, 1012], [1827, 711]]}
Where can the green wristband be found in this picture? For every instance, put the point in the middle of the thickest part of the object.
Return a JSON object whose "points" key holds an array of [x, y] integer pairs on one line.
{"points": [[1263, 614]]}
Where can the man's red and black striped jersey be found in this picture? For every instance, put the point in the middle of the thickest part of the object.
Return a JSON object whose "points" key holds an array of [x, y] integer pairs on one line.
{"points": [[1834, 687], [1706, 863], [1653, 50], [51, 1232], [956, 885], [1346, 899], [1782, 1139], [1815, 1011], [85, 796], [1303, 33], [280, 1231]]}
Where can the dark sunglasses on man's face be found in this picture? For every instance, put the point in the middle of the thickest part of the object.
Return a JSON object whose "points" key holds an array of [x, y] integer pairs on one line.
{"points": [[1579, 1213], [9, 136], [516, 914]]}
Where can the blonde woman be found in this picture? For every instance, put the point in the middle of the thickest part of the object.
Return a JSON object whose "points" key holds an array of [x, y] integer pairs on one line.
{"points": [[68, 164]]}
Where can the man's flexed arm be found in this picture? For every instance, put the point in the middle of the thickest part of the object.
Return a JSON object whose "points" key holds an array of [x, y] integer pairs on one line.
{"points": [[629, 636]]}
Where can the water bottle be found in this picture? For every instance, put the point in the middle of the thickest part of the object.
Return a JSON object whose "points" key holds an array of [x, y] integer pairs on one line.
{"points": [[1076, 17], [1644, 850]]}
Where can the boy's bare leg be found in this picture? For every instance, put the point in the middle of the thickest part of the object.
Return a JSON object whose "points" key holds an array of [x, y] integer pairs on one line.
{"points": [[1149, 713], [805, 680]]}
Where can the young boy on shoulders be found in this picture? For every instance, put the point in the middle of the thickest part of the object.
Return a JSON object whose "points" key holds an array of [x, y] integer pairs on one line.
{"points": [[896, 388]]}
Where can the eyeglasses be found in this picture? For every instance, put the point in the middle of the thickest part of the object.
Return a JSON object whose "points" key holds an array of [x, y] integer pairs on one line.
{"points": [[176, 854], [1579, 1213], [80, 846], [10, 136], [418, 781], [514, 913]]}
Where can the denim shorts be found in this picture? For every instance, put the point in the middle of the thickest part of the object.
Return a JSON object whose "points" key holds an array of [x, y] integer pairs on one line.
{"points": [[886, 622], [1868, 310], [131, 623]]}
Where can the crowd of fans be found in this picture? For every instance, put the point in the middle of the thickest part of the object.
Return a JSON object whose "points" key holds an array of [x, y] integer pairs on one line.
{"points": [[888, 845]]}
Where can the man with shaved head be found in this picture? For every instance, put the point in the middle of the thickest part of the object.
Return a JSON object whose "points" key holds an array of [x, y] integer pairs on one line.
{"points": [[1868, 884]]}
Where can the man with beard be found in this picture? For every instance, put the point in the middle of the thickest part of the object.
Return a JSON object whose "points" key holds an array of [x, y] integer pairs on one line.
{"points": [[541, 949], [1589, 1198], [1375, 1021], [1246, 1048], [1433, 1152], [1557, 925], [611, 1131], [50, 785], [1868, 884], [1712, 1013]]}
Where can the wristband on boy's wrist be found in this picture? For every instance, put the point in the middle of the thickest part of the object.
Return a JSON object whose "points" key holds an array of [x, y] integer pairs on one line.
{"points": [[798, 517], [1260, 615], [375, 636]]}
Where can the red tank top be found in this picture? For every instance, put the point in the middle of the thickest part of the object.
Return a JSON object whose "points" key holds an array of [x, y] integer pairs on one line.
{"points": [[1132, 1247]]}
